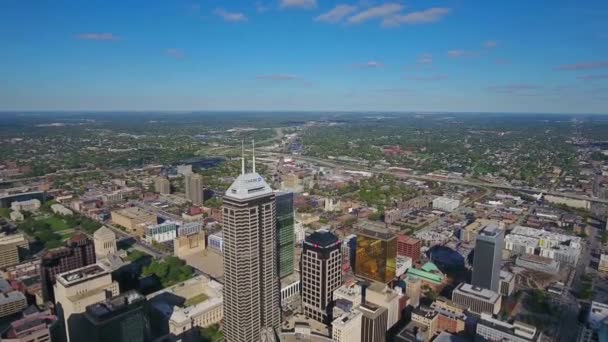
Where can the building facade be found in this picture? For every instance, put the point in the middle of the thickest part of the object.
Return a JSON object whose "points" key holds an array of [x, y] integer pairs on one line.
{"points": [[193, 184], [12, 249], [251, 282], [373, 323], [477, 299], [285, 233], [347, 327], [376, 254], [104, 240], [488, 258], [123, 318], [78, 252], [409, 247], [162, 185], [491, 329], [507, 283], [321, 274], [79, 288]]}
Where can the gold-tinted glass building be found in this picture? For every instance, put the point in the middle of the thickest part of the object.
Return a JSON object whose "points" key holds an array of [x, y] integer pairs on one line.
{"points": [[376, 253]]}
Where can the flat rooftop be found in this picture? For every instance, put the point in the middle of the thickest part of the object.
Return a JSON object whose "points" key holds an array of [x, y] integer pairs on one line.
{"points": [[322, 238], [115, 305], [374, 230], [81, 274], [474, 291]]}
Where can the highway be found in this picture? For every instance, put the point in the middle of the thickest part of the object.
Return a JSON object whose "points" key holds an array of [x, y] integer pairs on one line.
{"points": [[467, 182]]}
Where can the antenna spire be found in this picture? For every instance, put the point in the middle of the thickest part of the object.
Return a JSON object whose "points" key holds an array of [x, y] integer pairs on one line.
{"points": [[242, 157], [253, 153]]}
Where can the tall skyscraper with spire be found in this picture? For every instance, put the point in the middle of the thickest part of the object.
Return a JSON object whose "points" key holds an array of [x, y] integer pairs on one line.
{"points": [[251, 282]]}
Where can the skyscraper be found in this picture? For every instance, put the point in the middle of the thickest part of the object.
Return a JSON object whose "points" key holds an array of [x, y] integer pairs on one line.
{"points": [[162, 185], [487, 258], [373, 322], [78, 252], [376, 253], [321, 273], [251, 282], [193, 183], [285, 233]]}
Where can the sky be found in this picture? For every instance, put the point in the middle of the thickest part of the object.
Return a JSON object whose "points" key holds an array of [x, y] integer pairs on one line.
{"points": [[305, 55]]}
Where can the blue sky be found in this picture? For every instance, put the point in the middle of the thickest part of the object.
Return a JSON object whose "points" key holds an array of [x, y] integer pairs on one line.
{"points": [[367, 55]]}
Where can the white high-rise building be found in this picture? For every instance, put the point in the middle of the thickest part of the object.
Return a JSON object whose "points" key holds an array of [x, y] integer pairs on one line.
{"points": [[251, 281]]}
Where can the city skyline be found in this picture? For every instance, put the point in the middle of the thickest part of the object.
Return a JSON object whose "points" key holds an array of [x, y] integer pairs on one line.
{"points": [[305, 55]]}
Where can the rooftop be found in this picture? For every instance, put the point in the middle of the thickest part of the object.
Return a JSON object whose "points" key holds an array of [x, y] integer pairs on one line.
{"points": [[374, 230], [80, 274], [111, 307], [322, 238], [474, 291], [248, 185]]}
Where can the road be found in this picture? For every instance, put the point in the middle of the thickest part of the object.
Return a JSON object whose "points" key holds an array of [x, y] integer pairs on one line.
{"points": [[144, 247], [466, 182]]}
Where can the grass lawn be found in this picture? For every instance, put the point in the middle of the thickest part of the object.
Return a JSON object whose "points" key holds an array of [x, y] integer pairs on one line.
{"points": [[56, 223], [5, 212], [196, 299]]}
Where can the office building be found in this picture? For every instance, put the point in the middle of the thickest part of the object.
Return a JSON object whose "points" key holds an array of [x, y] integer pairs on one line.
{"points": [[376, 253], [413, 289], [61, 210], [382, 295], [251, 281], [184, 169], [321, 274], [193, 184], [507, 283], [134, 220], [445, 204], [349, 251], [11, 301], [79, 288], [190, 240], [162, 232], [477, 299], [285, 233], [216, 242], [78, 252], [451, 316], [104, 241], [559, 247], [194, 303], [373, 323], [123, 318], [351, 292], [427, 319], [491, 329], [409, 247], [162, 185], [12, 249], [603, 263], [537, 263], [38, 327], [488, 258], [27, 205], [469, 233], [347, 327]]}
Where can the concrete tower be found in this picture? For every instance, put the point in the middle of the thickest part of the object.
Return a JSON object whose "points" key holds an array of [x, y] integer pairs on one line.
{"points": [[251, 282], [488, 257]]}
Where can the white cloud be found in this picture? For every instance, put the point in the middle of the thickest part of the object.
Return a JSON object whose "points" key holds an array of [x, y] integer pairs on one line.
{"points": [[336, 14], [381, 11], [456, 53], [230, 16], [277, 77], [428, 16], [490, 44], [305, 4], [175, 53], [97, 36], [370, 64], [425, 58]]}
